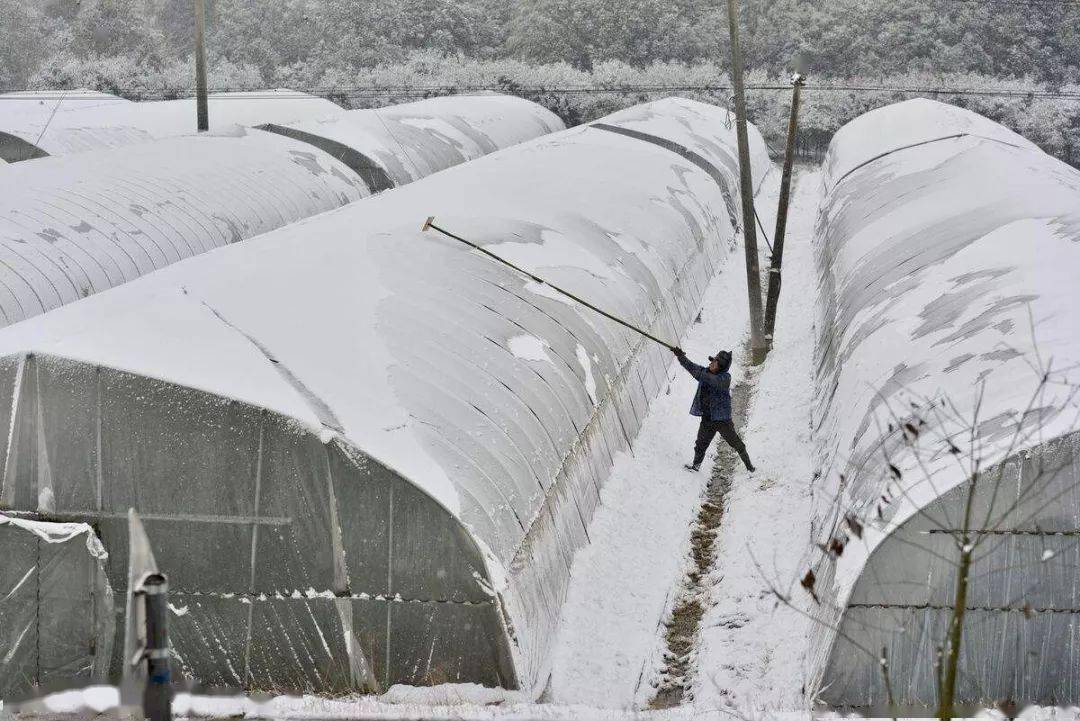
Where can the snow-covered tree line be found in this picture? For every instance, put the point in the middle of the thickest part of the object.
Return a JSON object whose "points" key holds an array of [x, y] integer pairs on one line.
{"points": [[363, 53]]}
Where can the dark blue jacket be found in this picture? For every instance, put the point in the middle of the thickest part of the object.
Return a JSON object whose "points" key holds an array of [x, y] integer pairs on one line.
{"points": [[713, 398]]}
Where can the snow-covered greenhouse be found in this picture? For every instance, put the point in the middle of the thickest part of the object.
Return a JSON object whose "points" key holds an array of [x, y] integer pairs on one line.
{"points": [[364, 454], [40, 124], [948, 257], [76, 225], [392, 146]]}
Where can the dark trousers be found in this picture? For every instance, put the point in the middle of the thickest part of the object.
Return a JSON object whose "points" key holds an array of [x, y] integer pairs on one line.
{"points": [[708, 430]]}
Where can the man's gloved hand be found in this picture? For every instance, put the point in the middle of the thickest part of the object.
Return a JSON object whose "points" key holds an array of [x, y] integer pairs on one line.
{"points": [[679, 353]]}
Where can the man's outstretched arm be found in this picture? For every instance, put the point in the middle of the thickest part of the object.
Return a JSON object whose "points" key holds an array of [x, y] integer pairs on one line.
{"points": [[692, 368], [721, 381]]}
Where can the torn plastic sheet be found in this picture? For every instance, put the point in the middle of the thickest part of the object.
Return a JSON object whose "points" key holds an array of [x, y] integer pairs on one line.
{"points": [[56, 607], [141, 565]]}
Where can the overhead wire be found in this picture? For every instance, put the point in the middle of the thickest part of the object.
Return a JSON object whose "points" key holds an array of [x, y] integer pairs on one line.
{"points": [[435, 90]]}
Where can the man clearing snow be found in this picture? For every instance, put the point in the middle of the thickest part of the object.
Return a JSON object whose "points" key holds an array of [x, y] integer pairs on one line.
{"points": [[712, 403]]}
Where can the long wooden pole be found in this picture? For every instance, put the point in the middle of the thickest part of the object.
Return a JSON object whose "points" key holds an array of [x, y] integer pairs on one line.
{"points": [[773, 295], [429, 224], [202, 110], [758, 347]]}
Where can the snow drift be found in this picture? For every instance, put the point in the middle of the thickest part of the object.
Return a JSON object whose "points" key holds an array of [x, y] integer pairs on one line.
{"points": [[948, 249], [73, 226], [366, 455]]}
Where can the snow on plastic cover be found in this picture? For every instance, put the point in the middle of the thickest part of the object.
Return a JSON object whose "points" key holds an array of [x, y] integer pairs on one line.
{"points": [[416, 139], [497, 400], [74, 226], [905, 125], [947, 256], [32, 109], [56, 605], [66, 123]]}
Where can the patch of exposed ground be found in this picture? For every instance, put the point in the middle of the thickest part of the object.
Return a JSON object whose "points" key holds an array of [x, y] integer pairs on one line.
{"points": [[683, 628]]}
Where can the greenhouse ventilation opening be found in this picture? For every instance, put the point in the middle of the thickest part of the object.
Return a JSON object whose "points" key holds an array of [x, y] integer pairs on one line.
{"points": [[76, 225], [369, 457], [947, 248]]}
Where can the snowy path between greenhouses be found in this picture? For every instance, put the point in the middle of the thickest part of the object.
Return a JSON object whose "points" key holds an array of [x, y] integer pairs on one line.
{"points": [[610, 642], [751, 654], [450, 702]]}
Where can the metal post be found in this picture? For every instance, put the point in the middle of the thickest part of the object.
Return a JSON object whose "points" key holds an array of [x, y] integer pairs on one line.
{"points": [[202, 111], [157, 696], [797, 81], [758, 347]]}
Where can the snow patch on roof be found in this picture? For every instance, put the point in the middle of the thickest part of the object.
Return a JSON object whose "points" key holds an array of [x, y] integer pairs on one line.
{"points": [[529, 347], [586, 365], [554, 250]]}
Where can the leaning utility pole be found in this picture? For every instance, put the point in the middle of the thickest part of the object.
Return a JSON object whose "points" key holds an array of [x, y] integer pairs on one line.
{"points": [[202, 112], [773, 296], [758, 347]]}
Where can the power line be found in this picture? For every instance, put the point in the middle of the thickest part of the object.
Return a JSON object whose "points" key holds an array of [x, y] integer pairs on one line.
{"points": [[1052, 3], [436, 90]]}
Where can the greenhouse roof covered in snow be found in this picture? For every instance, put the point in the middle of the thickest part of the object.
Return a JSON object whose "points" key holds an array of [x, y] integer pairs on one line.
{"points": [[76, 225], [910, 124], [470, 126], [66, 123], [948, 347], [364, 454]]}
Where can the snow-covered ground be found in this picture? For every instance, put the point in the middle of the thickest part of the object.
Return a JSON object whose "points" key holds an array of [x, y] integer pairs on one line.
{"points": [[751, 652], [610, 642]]}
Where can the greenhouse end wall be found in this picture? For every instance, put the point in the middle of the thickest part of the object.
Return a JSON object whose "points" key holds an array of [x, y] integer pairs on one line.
{"points": [[947, 250], [293, 574], [1022, 605]]}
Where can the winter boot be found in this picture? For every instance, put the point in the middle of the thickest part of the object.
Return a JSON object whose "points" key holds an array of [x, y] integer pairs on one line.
{"points": [[746, 460], [692, 467]]}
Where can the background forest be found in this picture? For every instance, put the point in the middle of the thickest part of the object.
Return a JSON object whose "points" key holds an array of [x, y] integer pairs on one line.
{"points": [[581, 58]]}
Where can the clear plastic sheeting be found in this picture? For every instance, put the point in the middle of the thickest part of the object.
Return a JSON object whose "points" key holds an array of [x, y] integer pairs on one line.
{"points": [[403, 143], [349, 467], [64, 123], [56, 607], [948, 276]]}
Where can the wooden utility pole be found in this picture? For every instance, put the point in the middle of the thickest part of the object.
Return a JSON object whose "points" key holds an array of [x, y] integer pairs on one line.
{"points": [[202, 111], [797, 81], [758, 346]]}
